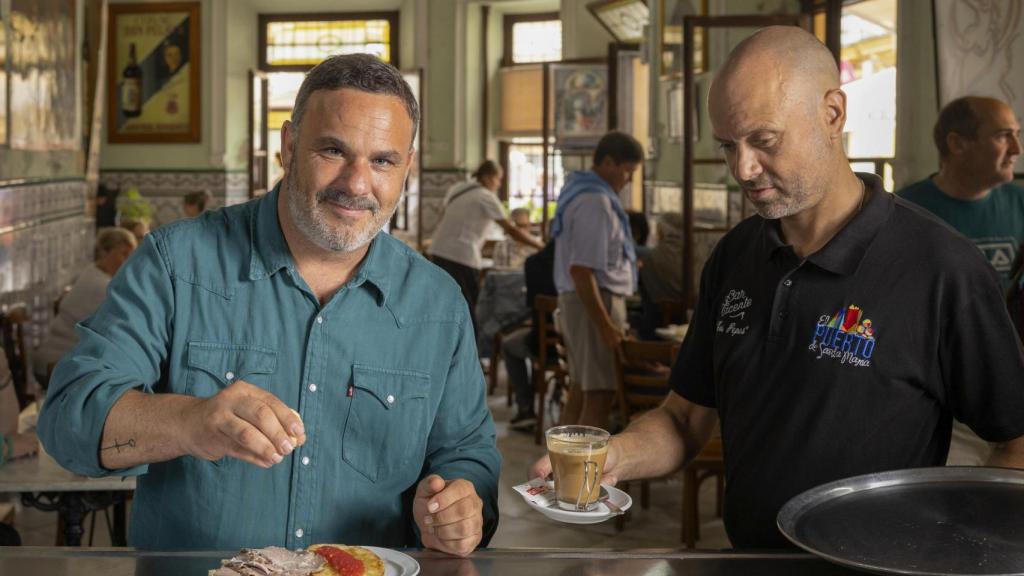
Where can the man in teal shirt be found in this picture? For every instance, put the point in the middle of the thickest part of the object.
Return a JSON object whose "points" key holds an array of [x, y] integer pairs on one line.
{"points": [[278, 373], [978, 141]]}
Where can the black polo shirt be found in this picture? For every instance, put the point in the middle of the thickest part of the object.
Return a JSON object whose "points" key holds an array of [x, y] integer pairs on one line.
{"points": [[850, 362]]}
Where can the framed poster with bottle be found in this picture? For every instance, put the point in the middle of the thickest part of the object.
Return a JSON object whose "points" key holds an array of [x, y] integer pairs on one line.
{"points": [[153, 73]]}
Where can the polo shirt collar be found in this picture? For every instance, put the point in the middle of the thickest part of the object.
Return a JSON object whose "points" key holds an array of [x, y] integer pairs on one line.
{"points": [[844, 252], [269, 252]]}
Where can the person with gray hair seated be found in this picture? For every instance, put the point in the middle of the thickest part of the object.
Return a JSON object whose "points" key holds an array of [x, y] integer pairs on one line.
{"points": [[113, 247], [661, 273]]}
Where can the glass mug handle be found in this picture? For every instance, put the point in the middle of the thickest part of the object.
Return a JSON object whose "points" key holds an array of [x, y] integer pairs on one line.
{"points": [[588, 486]]}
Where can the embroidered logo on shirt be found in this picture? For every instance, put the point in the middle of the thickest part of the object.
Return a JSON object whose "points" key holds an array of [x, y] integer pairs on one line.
{"points": [[846, 336], [733, 315]]}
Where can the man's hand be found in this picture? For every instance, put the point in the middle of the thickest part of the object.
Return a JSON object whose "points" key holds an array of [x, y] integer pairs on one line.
{"points": [[24, 445], [612, 336], [449, 515], [241, 421], [542, 468]]}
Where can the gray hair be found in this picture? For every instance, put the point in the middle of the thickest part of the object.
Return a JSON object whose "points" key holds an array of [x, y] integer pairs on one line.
{"points": [[363, 72], [109, 239]]}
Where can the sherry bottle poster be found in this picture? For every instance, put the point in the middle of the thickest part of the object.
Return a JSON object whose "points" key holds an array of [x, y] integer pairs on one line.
{"points": [[153, 73]]}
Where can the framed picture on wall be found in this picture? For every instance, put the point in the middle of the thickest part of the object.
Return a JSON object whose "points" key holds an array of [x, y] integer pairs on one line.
{"points": [[671, 32], [580, 103], [153, 73]]}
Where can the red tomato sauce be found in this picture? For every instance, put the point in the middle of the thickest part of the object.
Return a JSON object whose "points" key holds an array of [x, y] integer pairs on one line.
{"points": [[342, 562]]}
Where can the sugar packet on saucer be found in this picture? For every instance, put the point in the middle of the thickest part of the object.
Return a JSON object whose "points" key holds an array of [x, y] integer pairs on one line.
{"points": [[537, 491]]}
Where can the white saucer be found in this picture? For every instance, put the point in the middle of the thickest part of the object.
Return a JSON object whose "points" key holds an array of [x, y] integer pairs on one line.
{"points": [[595, 516]]}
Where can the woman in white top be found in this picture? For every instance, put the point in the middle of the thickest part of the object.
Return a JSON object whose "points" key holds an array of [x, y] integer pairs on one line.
{"points": [[469, 208]]}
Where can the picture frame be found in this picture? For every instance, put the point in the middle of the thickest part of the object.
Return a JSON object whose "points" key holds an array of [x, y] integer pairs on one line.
{"points": [[670, 32], [625, 20], [579, 103], [978, 50], [153, 96]]}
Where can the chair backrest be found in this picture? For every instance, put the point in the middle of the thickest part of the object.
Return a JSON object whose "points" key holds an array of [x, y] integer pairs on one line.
{"points": [[672, 312], [548, 339], [12, 334], [643, 370]]}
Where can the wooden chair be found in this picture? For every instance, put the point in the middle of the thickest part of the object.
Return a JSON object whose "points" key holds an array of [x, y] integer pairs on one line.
{"points": [[643, 374], [707, 464], [12, 334], [545, 368]]}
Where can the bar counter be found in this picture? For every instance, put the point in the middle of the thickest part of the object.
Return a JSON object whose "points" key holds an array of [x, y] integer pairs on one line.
{"points": [[531, 562]]}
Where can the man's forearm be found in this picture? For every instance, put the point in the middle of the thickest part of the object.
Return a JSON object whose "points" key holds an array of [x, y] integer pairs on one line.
{"points": [[663, 440], [585, 282], [1008, 454], [143, 429]]}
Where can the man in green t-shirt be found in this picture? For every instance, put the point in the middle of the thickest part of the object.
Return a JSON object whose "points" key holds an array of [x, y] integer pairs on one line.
{"points": [[978, 141]]}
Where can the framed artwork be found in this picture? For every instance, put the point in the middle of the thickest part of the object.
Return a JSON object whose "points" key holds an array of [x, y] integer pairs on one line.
{"points": [[625, 20], [671, 33], [153, 65], [3, 76], [43, 72], [978, 50], [580, 103]]}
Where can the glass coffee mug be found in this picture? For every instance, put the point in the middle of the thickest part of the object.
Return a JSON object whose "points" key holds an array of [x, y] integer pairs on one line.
{"points": [[577, 456]]}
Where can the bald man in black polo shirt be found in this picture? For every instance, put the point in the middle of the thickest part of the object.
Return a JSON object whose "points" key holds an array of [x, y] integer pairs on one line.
{"points": [[840, 330]]}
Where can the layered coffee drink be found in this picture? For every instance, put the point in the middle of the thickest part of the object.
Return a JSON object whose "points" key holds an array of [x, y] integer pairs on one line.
{"points": [[577, 454]]}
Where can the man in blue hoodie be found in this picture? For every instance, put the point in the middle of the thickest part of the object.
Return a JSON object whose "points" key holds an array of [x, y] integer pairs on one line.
{"points": [[595, 269]]}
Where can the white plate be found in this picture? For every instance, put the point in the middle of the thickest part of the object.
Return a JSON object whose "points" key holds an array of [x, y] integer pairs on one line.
{"points": [[596, 516], [675, 332], [396, 563]]}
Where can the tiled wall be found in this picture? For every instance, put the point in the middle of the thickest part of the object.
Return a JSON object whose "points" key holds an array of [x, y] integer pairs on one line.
{"points": [[434, 185], [165, 189], [46, 237]]}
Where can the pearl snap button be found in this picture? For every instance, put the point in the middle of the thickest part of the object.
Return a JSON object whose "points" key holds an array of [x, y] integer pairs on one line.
{"points": [[305, 460], [230, 375], [391, 399], [299, 533], [312, 387]]}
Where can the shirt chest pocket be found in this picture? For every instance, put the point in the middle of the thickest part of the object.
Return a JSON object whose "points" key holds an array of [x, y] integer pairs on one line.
{"points": [[386, 428], [212, 367]]}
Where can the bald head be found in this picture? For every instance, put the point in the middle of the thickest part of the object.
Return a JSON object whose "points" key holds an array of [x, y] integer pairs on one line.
{"points": [[778, 114], [787, 60]]}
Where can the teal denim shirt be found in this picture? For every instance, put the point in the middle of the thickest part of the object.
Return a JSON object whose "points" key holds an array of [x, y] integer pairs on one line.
{"points": [[385, 377]]}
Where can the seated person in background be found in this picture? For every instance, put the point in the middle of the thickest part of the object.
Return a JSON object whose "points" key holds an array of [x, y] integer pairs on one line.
{"points": [[661, 273], [511, 253], [281, 373], [641, 230], [138, 228], [13, 445], [520, 346], [978, 141], [469, 209], [113, 247], [195, 203]]}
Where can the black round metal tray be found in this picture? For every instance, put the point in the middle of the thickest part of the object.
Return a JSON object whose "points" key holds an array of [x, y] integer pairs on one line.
{"points": [[928, 521]]}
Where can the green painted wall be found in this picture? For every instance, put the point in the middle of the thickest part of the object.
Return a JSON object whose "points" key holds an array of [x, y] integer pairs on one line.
{"points": [[439, 145]]}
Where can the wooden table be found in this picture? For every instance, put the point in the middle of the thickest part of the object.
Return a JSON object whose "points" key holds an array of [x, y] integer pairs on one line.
{"points": [[43, 484], [130, 562]]}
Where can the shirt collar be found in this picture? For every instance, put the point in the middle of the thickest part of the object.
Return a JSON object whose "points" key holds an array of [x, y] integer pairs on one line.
{"points": [[269, 252], [844, 252]]}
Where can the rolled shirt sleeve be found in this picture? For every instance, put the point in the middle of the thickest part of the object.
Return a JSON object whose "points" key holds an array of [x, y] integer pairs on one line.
{"points": [[462, 441], [122, 347]]}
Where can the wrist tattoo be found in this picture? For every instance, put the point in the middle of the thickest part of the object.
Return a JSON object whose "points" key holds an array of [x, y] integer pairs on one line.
{"points": [[118, 445]]}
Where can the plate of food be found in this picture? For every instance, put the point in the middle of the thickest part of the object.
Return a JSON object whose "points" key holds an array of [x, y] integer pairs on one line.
{"points": [[540, 495], [319, 560]]}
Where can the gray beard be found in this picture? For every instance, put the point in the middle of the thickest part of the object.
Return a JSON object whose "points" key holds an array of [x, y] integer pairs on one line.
{"points": [[318, 232]]}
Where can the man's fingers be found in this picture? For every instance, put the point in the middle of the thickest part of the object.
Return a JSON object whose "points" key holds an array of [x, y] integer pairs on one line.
{"points": [[259, 413], [429, 486], [541, 468], [452, 493], [463, 547], [458, 530], [467, 508], [251, 439], [239, 453]]}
